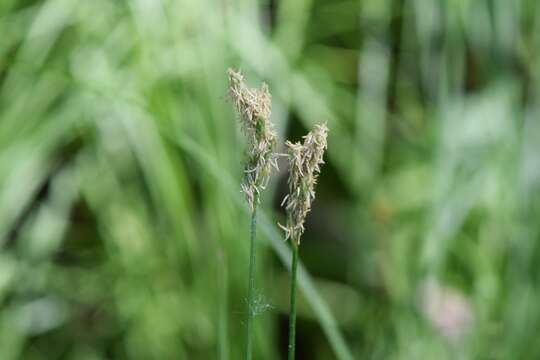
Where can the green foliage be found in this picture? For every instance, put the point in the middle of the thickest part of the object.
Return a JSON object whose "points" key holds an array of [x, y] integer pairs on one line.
{"points": [[122, 227]]}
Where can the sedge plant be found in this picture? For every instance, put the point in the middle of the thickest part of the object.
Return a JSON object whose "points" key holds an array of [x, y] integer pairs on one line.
{"points": [[305, 160], [254, 106]]}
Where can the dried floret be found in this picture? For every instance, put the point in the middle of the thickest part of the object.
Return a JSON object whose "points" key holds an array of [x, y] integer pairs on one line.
{"points": [[254, 106], [305, 160]]}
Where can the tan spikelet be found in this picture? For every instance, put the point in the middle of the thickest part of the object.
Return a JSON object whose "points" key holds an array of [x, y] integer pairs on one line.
{"points": [[254, 107], [305, 160]]}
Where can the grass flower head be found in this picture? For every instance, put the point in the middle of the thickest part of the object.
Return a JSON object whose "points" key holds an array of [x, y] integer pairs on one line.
{"points": [[305, 160], [254, 106]]}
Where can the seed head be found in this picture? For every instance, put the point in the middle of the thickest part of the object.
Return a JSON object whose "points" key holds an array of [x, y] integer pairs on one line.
{"points": [[304, 168], [254, 107]]}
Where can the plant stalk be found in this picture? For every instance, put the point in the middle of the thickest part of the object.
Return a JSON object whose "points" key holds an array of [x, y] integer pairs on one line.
{"points": [[251, 282], [292, 314]]}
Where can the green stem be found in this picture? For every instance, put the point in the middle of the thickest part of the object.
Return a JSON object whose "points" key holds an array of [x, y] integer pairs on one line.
{"points": [[251, 283], [222, 277], [292, 315]]}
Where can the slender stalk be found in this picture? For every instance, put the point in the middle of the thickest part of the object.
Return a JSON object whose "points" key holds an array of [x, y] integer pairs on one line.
{"points": [[292, 310], [222, 277], [251, 283]]}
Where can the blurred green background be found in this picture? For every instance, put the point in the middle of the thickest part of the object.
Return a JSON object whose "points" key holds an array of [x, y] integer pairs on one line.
{"points": [[123, 232]]}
